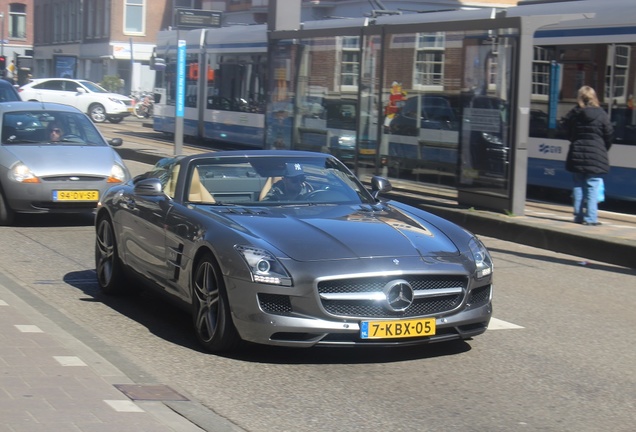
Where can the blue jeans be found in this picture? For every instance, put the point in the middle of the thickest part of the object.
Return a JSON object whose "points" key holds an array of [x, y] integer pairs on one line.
{"points": [[585, 196]]}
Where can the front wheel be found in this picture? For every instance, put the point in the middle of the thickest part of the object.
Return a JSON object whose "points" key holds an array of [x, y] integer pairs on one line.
{"points": [[7, 215], [211, 309], [109, 268], [97, 113]]}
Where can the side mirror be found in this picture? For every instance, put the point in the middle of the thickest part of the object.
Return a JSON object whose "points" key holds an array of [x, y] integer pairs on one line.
{"points": [[149, 187], [379, 185], [115, 142], [81, 90]]}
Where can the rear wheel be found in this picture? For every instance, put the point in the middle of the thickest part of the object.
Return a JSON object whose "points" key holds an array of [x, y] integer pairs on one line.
{"points": [[211, 309], [109, 268], [97, 113], [7, 215]]}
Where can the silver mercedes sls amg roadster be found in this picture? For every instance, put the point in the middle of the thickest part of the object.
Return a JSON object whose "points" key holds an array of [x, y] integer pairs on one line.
{"points": [[289, 248]]}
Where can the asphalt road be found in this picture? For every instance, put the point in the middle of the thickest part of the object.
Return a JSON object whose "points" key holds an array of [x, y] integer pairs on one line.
{"points": [[558, 356]]}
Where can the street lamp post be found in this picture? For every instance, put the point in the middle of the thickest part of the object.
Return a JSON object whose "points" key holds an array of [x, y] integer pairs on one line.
{"points": [[2, 34]]}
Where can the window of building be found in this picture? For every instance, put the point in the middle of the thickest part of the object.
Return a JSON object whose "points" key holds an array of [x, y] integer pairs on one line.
{"points": [[493, 66], [429, 61], [17, 21], [350, 63], [541, 73], [617, 73], [134, 17]]}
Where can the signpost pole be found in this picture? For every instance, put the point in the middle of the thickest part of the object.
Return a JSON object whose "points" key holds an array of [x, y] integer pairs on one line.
{"points": [[180, 96]]}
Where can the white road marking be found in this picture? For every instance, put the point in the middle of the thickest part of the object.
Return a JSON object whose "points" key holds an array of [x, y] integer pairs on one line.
{"points": [[124, 406], [497, 324], [29, 328], [69, 361]]}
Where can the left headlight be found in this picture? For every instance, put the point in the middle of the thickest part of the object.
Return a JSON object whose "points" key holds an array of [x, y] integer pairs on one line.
{"points": [[118, 101], [22, 174], [483, 261], [117, 174], [263, 266]]}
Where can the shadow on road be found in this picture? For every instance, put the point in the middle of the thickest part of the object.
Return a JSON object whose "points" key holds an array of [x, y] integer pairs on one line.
{"points": [[166, 320]]}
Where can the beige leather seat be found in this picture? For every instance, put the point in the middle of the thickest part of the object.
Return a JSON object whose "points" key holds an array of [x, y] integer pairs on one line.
{"points": [[170, 187], [198, 192]]}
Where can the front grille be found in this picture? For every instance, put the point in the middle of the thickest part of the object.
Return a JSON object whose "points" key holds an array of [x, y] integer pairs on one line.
{"points": [[73, 178], [70, 206], [275, 304], [479, 296], [429, 304]]}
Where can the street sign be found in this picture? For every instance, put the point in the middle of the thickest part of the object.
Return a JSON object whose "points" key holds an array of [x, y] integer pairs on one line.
{"points": [[187, 19]]}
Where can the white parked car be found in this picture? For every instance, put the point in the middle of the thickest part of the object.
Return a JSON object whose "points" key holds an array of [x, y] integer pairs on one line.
{"points": [[88, 97]]}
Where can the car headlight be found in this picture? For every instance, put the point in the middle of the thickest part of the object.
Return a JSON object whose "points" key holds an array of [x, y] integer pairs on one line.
{"points": [[22, 174], [483, 261], [118, 101], [117, 174], [263, 266]]}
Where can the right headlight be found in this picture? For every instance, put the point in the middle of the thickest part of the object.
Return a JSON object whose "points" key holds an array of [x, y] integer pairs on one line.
{"points": [[21, 173], [483, 261], [263, 266]]}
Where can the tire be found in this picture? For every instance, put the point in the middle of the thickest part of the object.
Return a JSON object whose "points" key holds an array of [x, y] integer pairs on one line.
{"points": [[211, 310], [7, 215], [97, 113], [108, 266], [115, 119]]}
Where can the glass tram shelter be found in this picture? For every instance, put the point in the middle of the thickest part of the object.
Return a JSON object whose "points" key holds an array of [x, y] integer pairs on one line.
{"points": [[441, 98]]}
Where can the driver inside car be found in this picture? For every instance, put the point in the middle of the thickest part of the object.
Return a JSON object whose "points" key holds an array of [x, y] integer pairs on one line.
{"points": [[292, 187], [55, 132]]}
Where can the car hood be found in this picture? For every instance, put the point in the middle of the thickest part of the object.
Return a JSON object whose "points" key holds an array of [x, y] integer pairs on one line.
{"points": [[114, 96], [50, 159], [341, 232]]}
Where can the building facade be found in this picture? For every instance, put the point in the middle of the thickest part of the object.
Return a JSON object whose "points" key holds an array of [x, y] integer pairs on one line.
{"points": [[16, 37]]}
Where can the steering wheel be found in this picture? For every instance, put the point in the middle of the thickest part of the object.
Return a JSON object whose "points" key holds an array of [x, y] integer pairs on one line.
{"points": [[326, 195], [71, 138]]}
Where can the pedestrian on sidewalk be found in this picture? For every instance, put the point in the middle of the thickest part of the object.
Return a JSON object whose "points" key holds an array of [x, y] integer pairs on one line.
{"points": [[590, 133]]}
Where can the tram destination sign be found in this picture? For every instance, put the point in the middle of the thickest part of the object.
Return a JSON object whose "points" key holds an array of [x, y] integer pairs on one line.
{"points": [[188, 19]]}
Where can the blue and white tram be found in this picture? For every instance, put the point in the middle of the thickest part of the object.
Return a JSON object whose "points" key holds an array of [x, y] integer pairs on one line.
{"points": [[226, 72], [601, 52], [323, 104]]}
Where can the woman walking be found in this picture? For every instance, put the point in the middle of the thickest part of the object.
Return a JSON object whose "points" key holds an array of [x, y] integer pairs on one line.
{"points": [[591, 134]]}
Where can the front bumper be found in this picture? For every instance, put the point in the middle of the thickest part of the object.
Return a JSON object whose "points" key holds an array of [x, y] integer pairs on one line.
{"points": [[301, 317], [38, 197]]}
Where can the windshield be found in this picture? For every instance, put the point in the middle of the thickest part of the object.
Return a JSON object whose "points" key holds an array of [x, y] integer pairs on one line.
{"points": [[49, 127], [268, 180], [93, 87]]}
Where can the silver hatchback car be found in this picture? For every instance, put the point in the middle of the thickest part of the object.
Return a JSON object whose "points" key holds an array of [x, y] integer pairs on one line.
{"points": [[53, 160]]}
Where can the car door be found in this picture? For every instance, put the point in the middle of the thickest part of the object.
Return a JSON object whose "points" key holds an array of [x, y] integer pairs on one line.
{"points": [[50, 91], [142, 220], [72, 96]]}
